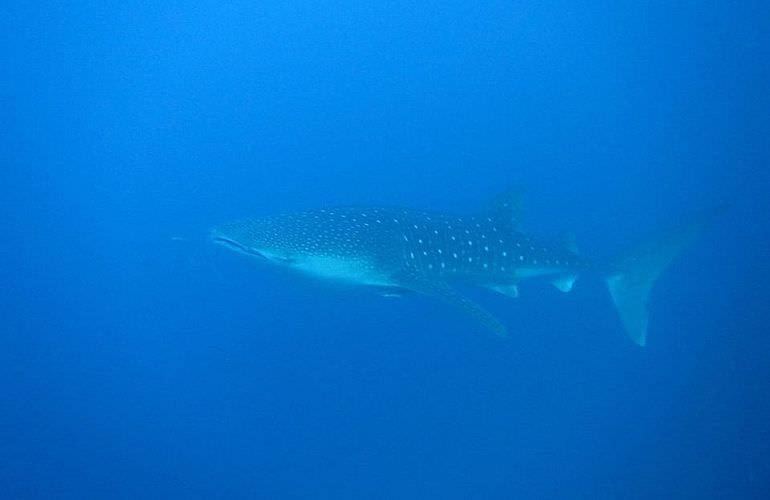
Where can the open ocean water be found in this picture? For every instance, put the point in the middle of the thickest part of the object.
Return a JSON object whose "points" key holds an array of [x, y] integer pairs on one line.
{"points": [[138, 360]]}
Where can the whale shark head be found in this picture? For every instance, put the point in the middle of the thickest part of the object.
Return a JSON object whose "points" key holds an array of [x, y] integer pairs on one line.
{"points": [[322, 243]]}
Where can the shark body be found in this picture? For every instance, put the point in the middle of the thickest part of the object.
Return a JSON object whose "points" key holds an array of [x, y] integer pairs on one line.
{"points": [[397, 248]]}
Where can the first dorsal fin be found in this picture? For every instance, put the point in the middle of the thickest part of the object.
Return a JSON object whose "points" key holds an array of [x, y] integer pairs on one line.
{"points": [[506, 207], [570, 242]]}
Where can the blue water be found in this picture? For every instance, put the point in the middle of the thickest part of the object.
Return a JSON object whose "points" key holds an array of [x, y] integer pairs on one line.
{"points": [[139, 361]]}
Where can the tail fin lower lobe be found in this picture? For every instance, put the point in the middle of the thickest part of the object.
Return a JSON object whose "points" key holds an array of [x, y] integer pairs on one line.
{"points": [[633, 274]]}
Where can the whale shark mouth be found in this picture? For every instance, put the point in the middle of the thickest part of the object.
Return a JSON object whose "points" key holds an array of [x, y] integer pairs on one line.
{"points": [[253, 252], [238, 247]]}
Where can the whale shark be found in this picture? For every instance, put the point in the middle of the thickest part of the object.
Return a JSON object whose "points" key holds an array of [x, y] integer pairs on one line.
{"points": [[393, 249]]}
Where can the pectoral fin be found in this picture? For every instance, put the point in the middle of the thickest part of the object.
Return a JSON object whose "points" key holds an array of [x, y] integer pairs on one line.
{"points": [[442, 290]]}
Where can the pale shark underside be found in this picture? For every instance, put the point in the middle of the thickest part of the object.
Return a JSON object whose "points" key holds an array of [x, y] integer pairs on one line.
{"points": [[398, 248]]}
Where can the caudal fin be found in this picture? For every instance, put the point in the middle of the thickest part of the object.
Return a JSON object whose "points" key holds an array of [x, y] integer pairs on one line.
{"points": [[633, 274]]}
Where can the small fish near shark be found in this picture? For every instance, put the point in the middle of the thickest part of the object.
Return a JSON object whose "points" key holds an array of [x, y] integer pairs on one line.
{"points": [[395, 249]]}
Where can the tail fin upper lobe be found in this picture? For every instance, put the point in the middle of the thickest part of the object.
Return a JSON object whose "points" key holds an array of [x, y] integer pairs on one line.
{"points": [[633, 274]]}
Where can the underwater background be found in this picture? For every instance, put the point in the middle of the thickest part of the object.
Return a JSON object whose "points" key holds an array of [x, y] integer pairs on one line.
{"points": [[137, 360]]}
